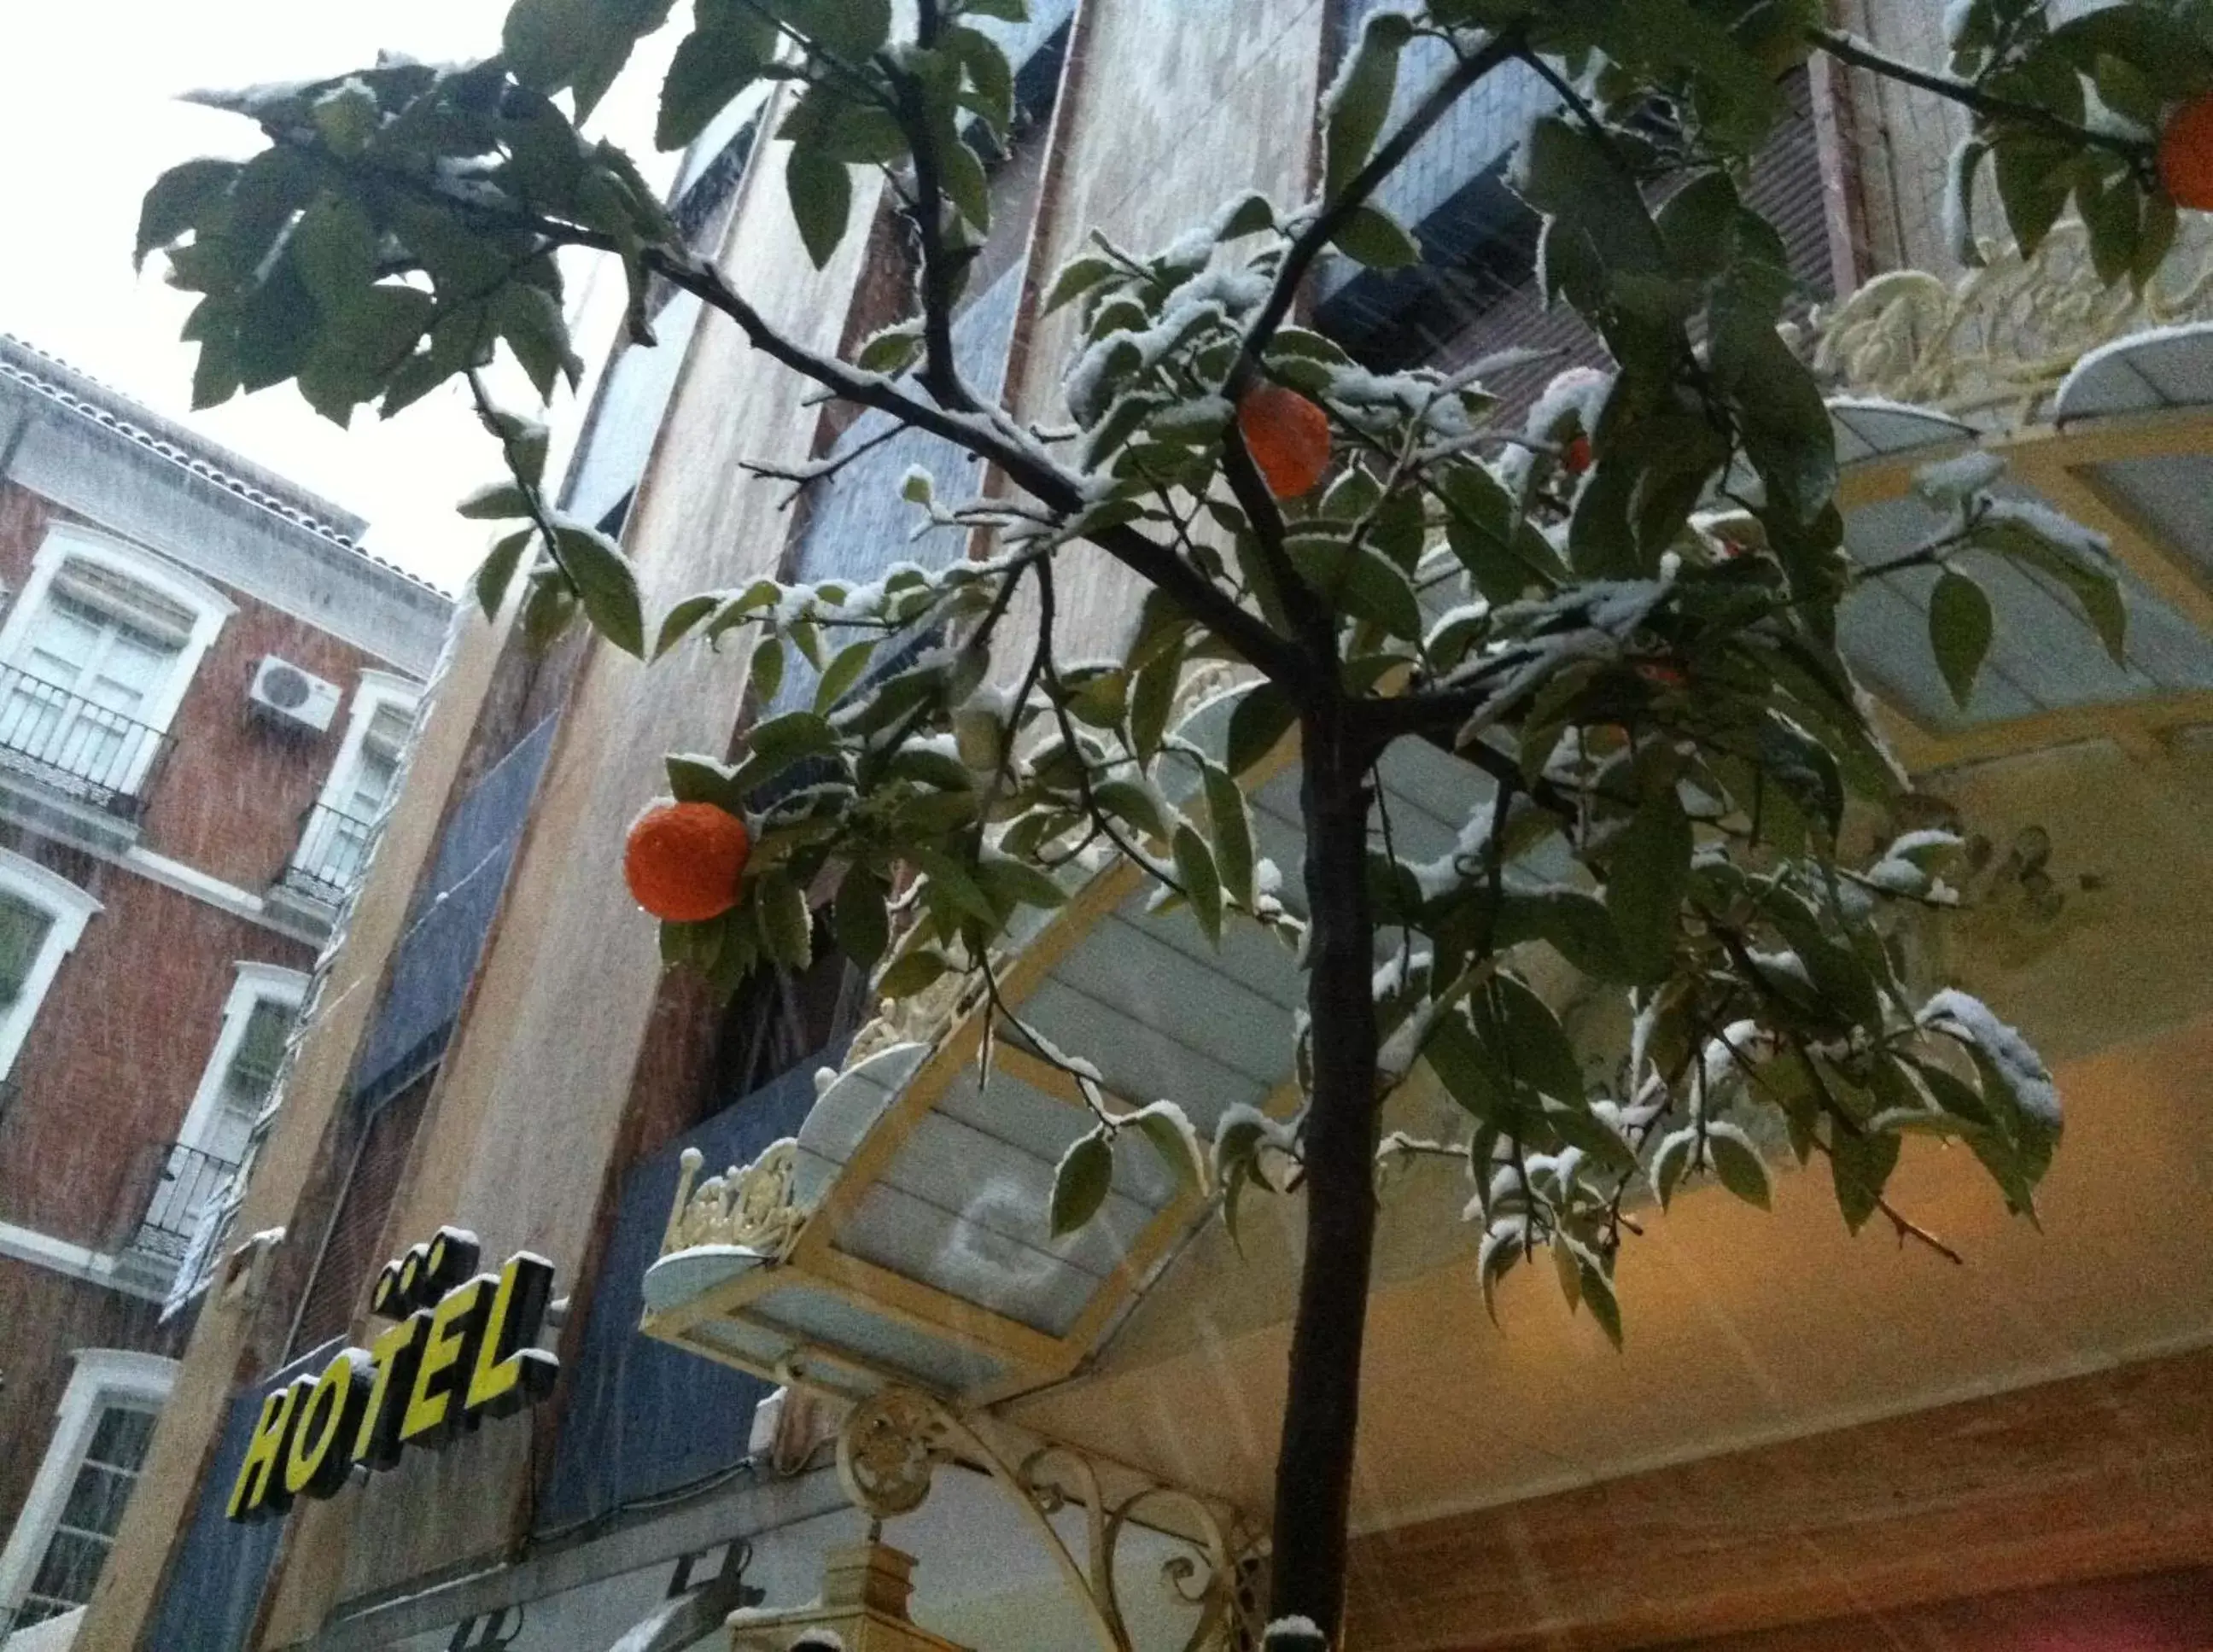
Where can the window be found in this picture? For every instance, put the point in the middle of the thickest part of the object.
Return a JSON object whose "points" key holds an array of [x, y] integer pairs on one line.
{"points": [[42, 914], [101, 1430], [95, 660], [233, 1093], [334, 847]]}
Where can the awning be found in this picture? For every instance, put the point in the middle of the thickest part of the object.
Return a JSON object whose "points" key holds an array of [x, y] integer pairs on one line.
{"points": [[902, 1236]]}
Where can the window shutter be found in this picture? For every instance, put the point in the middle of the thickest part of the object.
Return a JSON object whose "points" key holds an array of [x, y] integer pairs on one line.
{"points": [[22, 931]]}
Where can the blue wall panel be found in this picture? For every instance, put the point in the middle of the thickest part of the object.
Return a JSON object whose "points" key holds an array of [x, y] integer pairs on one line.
{"points": [[213, 1592], [643, 1419]]}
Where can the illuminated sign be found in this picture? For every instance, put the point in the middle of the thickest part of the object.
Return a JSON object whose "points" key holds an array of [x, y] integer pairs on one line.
{"points": [[459, 1350]]}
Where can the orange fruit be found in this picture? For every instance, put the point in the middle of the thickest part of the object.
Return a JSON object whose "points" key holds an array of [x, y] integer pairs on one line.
{"points": [[682, 861], [1577, 458], [2185, 154], [1288, 436], [1661, 675]]}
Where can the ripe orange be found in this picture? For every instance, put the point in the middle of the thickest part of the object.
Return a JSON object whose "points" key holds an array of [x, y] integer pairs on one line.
{"points": [[1577, 458], [1662, 675], [1288, 436], [2185, 154], [682, 860]]}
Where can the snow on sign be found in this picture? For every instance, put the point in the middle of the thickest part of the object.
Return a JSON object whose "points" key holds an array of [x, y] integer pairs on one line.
{"points": [[459, 1350]]}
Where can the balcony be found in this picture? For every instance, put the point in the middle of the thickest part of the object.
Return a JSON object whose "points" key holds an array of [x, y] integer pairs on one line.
{"points": [[328, 862], [184, 1182], [68, 761]]}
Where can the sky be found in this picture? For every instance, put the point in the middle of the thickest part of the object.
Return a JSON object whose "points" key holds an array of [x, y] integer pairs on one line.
{"points": [[91, 118]]}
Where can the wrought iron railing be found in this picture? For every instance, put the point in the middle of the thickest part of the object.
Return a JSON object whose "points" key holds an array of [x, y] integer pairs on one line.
{"points": [[77, 747], [188, 1182], [332, 852]]}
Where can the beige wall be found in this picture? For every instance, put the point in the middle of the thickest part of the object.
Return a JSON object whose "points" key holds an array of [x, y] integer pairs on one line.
{"points": [[534, 1089]]}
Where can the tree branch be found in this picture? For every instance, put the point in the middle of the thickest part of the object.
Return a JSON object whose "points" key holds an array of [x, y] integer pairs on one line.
{"points": [[1467, 74], [1849, 49]]}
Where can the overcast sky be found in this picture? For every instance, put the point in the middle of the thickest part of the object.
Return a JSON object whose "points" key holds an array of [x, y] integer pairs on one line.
{"points": [[90, 118]]}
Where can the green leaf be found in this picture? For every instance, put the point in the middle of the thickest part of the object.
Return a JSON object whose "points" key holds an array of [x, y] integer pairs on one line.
{"points": [[1258, 724], [1128, 801], [1645, 881], [1741, 1170], [498, 571], [1080, 1184], [1373, 237], [913, 972], [1152, 697], [1201, 884], [950, 879], [1960, 629], [1526, 1041], [765, 671], [2035, 175], [603, 582], [853, 29], [843, 671], [335, 247], [682, 619], [1860, 1166], [1018, 883], [1361, 99], [776, 744], [180, 199], [496, 502], [821, 192], [860, 918], [1231, 823], [787, 927], [1078, 277], [1173, 1145], [711, 67], [694, 779]]}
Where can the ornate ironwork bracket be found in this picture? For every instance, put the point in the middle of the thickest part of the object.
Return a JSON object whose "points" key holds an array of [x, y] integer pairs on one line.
{"points": [[752, 1207], [1998, 340], [892, 1443]]}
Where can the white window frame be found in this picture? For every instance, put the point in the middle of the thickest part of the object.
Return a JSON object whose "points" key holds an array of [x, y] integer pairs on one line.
{"points": [[256, 983], [103, 1377], [69, 908], [378, 690], [68, 542]]}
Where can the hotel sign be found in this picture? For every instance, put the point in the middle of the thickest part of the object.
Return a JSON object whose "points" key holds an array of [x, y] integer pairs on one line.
{"points": [[458, 1351]]}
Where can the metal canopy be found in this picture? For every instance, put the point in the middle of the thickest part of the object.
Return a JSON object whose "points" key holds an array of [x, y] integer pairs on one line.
{"points": [[902, 1237]]}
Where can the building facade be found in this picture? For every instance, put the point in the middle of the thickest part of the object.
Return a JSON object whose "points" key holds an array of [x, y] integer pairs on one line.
{"points": [[204, 688], [1950, 1459]]}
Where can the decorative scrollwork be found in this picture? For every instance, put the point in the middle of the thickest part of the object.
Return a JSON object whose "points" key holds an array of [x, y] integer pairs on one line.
{"points": [[891, 1445], [752, 1207], [894, 1442], [2000, 339]]}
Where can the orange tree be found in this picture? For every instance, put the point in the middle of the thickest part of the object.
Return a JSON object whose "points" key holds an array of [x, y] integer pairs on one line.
{"points": [[1622, 618]]}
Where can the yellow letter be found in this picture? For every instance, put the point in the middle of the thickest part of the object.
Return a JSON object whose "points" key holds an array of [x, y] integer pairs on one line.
{"points": [[434, 1408], [259, 1490], [509, 1372], [331, 1414], [395, 1353]]}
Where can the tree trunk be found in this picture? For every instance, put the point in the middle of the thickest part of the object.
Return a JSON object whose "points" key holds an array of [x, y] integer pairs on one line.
{"points": [[1313, 1464]]}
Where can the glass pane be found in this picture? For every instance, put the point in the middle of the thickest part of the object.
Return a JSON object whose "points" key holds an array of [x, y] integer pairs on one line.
{"points": [[372, 783], [95, 1501], [23, 929], [130, 670], [62, 641], [70, 1568], [121, 1439], [260, 1047]]}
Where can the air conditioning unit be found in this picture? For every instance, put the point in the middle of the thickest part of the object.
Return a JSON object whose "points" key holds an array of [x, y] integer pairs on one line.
{"points": [[282, 691]]}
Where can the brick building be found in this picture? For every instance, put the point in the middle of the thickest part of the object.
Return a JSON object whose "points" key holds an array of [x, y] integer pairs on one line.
{"points": [[205, 687]]}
